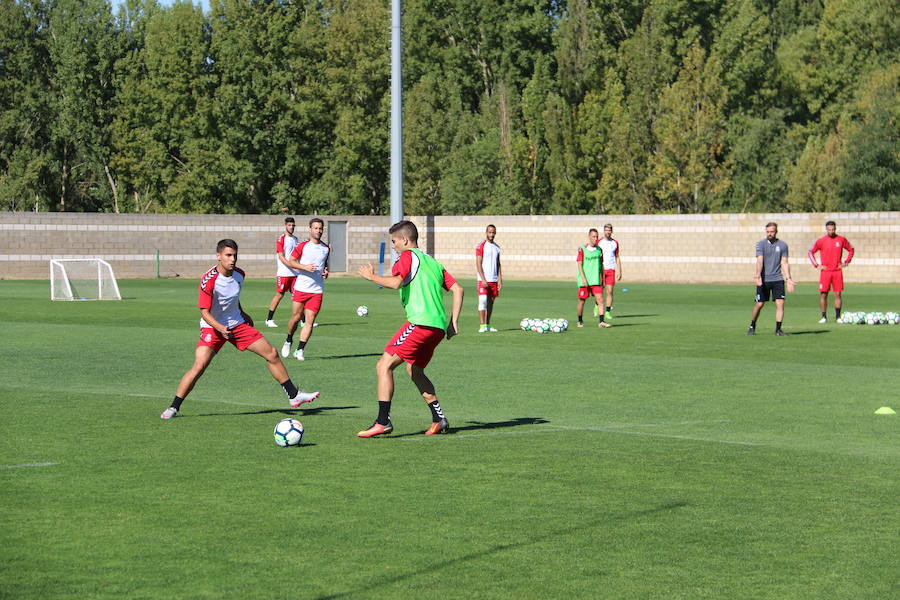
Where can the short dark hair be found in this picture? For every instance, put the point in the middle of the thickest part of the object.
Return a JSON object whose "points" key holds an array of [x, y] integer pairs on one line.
{"points": [[226, 243], [832, 223], [489, 226], [772, 224], [608, 225], [316, 220], [289, 219], [407, 229], [592, 229]]}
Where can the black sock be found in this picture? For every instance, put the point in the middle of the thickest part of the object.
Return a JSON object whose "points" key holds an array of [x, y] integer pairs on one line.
{"points": [[436, 413], [289, 339], [823, 315], [602, 315], [176, 402], [609, 309], [579, 319], [777, 325], [289, 388], [837, 314], [384, 413], [753, 324], [271, 315], [301, 345]]}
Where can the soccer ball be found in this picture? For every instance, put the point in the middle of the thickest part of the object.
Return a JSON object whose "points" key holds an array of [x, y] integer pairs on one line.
{"points": [[362, 311], [288, 432], [892, 318], [524, 325], [871, 319]]}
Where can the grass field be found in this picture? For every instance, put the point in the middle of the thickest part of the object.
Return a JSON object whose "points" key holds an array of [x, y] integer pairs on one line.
{"points": [[671, 456]]}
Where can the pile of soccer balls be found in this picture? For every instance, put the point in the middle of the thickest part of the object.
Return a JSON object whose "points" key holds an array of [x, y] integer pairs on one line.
{"points": [[872, 318], [544, 325]]}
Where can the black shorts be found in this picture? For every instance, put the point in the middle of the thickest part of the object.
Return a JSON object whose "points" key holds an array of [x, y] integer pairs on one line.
{"points": [[773, 290]]}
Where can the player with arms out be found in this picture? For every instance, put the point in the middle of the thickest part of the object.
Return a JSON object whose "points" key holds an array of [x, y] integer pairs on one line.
{"points": [[490, 278], [421, 281], [590, 280], [223, 320], [612, 265], [284, 275], [831, 268], [771, 268], [310, 259]]}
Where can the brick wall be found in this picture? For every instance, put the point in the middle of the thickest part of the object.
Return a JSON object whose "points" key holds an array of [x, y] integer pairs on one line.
{"points": [[666, 248]]}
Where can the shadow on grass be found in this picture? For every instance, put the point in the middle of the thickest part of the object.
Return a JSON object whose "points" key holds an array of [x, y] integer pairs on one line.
{"points": [[348, 355], [618, 316], [312, 410], [579, 528], [807, 332], [480, 425]]}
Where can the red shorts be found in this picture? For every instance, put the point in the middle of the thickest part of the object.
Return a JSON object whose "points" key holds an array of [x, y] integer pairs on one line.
{"points": [[831, 279], [415, 343], [310, 300], [488, 288], [588, 291], [241, 336], [284, 284], [609, 276]]}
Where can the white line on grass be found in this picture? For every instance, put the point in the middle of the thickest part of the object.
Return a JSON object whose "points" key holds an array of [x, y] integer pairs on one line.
{"points": [[29, 465]]}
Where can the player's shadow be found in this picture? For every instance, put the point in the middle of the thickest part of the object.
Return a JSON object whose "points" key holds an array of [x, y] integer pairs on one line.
{"points": [[808, 332], [618, 316], [312, 410], [480, 425], [529, 540], [349, 355]]}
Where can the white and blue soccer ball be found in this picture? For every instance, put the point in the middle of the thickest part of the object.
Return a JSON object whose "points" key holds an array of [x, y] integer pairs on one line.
{"points": [[362, 311], [860, 318], [288, 432], [524, 324], [871, 319], [892, 318]]}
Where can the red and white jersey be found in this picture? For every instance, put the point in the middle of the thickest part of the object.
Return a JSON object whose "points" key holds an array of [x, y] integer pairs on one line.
{"points": [[308, 252], [831, 250], [610, 252], [285, 244], [222, 296], [490, 260]]}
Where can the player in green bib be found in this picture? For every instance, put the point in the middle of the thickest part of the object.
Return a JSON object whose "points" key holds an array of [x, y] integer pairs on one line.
{"points": [[421, 281], [590, 277]]}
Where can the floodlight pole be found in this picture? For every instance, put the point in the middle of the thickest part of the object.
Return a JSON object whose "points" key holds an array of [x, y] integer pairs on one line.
{"points": [[396, 116]]}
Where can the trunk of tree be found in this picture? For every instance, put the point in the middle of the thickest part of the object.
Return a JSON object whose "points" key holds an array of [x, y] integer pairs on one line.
{"points": [[63, 177], [113, 187]]}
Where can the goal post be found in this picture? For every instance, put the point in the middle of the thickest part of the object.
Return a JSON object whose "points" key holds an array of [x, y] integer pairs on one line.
{"points": [[82, 279]]}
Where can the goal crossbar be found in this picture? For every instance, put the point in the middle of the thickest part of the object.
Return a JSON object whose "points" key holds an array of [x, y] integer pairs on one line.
{"points": [[82, 279]]}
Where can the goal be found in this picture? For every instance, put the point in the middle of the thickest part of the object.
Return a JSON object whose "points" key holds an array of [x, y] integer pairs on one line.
{"points": [[82, 279]]}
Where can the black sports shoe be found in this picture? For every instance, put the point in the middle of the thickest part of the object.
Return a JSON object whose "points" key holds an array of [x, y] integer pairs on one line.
{"points": [[751, 331], [782, 333]]}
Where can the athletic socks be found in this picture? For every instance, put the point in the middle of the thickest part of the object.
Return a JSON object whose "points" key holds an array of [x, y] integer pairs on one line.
{"points": [[753, 324], [384, 413], [176, 402], [777, 325], [823, 315], [289, 339], [289, 388], [436, 413], [271, 315], [609, 309], [580, 319], [301, 345], [601, 317], [837, 314]]}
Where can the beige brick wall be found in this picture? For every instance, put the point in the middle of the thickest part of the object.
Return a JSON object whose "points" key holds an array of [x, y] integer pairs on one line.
{"points": [[665, 248]]}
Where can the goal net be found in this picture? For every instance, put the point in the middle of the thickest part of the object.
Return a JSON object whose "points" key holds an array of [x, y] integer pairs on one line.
{"points": [[82, 279]]}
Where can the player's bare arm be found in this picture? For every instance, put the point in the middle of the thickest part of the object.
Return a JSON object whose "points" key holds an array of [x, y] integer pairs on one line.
{"points": [[786, 269], [479, 268], [758, 275], [458, 293], [618, 268], [211, 321], [499, 275], [367, 271]]}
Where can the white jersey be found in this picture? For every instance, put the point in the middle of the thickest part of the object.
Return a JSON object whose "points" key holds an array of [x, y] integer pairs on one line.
{"points": [[222, 296], [308, 252], [610, 253], [490, 260], [285, 244]]}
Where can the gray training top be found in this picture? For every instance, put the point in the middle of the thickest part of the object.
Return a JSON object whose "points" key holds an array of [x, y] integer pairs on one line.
{"points": [[771, 253]]}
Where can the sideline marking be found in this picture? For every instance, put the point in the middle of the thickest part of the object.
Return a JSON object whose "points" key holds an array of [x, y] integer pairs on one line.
{"points": [[29, 465]]}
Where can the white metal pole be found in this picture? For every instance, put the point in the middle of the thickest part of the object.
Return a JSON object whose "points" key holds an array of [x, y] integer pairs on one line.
{"points": [[396, 116]]}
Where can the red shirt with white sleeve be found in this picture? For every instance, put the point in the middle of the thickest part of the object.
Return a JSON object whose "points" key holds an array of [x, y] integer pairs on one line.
{"points": [[831, 251], [222, 296]]}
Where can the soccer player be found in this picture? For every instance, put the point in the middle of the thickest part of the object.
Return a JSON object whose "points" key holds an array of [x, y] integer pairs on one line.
{"points": [[612, 265], [831, 270], [590, 279], [771, 268], [490, 277], [223, 320], [284, 275], [310, 258], [420, 280]]}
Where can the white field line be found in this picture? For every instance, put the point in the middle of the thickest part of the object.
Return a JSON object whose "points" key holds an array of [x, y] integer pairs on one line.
{"points": [[617, 429], [29, 465]]}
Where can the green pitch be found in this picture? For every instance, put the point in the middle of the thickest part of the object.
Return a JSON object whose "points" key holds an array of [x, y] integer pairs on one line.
{"points": [[671, 456]]}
